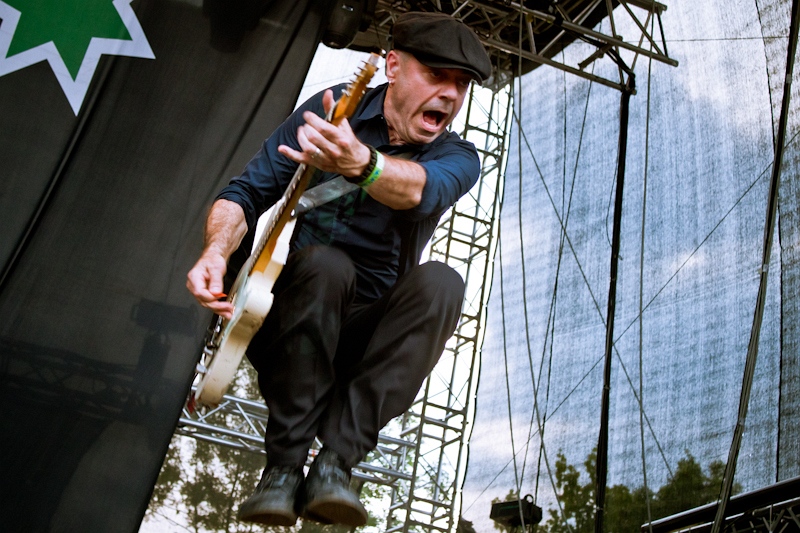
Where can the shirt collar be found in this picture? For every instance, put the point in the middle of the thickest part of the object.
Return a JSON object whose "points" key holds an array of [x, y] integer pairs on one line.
{"points": [[373, 103]]}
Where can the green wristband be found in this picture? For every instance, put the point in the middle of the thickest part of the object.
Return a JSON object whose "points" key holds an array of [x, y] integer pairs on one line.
{"points": [[373, 176]]}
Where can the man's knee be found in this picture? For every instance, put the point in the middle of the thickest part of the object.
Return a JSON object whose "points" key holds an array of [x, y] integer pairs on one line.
{"points": [[437, 281]]}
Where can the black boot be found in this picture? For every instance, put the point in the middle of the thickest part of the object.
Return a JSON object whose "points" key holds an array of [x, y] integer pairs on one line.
{"points": [[328, 496], [273, 502]]}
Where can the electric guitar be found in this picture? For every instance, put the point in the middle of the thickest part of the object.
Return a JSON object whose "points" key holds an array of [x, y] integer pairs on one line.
{"points": [[251, 293]]}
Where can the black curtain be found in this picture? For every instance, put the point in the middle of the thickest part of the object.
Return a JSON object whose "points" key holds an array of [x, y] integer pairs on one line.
{"points": [[102, 217]]}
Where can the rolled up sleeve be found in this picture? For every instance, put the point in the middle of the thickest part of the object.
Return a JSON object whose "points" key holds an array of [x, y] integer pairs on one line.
{"points": [[451, 170]]}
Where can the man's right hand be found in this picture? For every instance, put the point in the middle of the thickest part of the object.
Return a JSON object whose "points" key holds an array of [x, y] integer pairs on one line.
{"points": [[225, 227], [204, 281]]}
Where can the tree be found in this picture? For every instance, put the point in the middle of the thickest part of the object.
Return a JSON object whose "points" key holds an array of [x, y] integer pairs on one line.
{"points": [[625, 509], [577, 500], [203, 483], [690, 487]]}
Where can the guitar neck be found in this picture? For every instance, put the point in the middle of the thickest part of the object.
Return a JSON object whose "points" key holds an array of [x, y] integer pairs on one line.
{"points": [[284, 209], [281, 215]]}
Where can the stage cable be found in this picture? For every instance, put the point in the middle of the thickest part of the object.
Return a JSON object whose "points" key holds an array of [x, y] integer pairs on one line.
{"points": [[535, 411], [566, 209], [641, 286], [551, 319], [535, 399], [516, 98], [536, 415], [517, 484]]}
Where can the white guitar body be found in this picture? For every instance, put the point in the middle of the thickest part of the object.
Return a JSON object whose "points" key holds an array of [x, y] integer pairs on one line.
{"points": [[251, 303]]}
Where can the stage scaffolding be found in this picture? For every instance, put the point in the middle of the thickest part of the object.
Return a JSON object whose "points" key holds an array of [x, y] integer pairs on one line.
{"points": [[421, 456]]}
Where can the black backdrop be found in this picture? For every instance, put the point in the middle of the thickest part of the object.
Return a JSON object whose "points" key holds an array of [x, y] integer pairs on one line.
{"points": [[102, 217]]}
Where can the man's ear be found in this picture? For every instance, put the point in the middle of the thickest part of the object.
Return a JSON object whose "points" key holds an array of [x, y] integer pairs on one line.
{"points": [[392, 64]]}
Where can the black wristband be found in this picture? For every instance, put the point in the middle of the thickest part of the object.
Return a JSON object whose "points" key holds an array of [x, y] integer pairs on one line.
{"points": [[373, 160]]}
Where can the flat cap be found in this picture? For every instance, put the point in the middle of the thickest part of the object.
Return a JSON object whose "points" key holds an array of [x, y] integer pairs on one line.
{"points": [[441, 41]]}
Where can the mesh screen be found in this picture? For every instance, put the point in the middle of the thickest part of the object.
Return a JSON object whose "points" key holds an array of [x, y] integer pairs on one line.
{"points": [[692, 231]]}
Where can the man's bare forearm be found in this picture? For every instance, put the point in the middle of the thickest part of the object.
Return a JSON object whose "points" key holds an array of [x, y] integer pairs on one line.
{"points": [[400, 185], [225, 228]]}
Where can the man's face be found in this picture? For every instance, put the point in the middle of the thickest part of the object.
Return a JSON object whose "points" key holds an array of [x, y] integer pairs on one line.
{"points": [[422, 101]]}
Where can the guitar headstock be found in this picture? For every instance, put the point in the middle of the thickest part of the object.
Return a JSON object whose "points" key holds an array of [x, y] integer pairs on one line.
{"points": [[347, 103]]}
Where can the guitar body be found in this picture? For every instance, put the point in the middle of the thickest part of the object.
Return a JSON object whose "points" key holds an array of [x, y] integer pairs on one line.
{"points": [[252, 301], [251, 294]]}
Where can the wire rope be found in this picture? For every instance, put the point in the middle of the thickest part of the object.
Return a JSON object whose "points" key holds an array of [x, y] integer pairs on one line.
{"points": [[758, 313], [517, 484], [641, 288], [703, 241], [534, 412]]}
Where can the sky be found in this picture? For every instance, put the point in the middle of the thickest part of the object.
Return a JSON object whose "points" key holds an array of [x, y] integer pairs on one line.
{"points": [[330, 67]]}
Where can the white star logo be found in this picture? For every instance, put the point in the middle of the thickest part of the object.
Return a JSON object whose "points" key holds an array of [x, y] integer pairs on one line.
{"points": [[74, 88]]}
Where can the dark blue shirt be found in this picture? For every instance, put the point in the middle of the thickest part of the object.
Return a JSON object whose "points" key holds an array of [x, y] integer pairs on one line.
{"points": [[383, 242]]}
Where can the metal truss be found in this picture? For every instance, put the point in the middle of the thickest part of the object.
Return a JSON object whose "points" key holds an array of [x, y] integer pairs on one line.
{"points": [[772, 509], [438, 423], [778, 518], [522, 36], [239, 423]]}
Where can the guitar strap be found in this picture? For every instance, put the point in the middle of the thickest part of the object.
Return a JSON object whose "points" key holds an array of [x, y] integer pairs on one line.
{"points": [[324, 193], [331, 190]]}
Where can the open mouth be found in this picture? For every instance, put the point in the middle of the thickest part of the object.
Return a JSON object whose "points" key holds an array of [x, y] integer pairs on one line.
{"points": [[433, 119]]}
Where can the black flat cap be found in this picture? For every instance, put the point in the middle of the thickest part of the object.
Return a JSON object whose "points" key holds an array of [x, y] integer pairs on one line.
{"points": [[441, 41]]}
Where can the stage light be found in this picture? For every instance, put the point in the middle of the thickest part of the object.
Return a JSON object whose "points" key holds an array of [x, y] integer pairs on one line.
{"points": [[347, 19], [515, 513]]}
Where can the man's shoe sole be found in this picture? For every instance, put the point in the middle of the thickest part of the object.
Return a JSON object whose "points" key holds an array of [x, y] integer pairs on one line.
{"points": [[266, 514], [336, 511]]}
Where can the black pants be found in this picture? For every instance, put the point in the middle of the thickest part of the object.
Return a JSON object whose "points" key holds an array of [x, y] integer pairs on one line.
{"points": [[340, 370]]}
